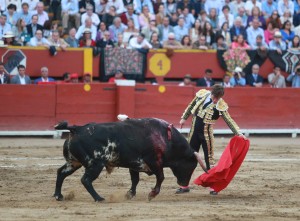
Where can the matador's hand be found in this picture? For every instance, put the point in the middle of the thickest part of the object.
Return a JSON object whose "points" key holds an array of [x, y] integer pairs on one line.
{"points": [[181, 122]]}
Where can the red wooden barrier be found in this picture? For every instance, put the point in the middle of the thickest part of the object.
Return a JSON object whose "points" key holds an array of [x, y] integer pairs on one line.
{"points": [[27, 107], [39, 107], [80, 106]]}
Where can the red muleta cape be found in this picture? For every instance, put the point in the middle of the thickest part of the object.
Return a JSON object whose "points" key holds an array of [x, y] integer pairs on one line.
{"points": [[220, 176]]}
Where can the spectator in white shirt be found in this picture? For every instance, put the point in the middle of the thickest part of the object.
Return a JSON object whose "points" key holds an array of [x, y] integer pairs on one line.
{"points": [[42, 15], [88, 24], [139, 42], [39, 40], [284, 5], [225, 16], [217, 4], [70, 9], [118, 4], [4, 26], [90, 14], [250, 4]]}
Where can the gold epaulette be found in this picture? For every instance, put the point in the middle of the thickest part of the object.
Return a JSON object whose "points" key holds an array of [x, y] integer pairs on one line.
{"points": [[221, 105], [202, 92]]}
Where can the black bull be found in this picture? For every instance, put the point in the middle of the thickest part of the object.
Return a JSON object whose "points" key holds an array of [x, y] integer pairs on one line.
{"points": [[142, 145]]}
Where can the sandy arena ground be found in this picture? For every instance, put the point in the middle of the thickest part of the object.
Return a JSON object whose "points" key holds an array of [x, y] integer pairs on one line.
{"points": [[267, 187]]}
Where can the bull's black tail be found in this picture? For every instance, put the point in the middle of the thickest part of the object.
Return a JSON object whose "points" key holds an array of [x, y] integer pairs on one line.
{"points": [[63, 125]]}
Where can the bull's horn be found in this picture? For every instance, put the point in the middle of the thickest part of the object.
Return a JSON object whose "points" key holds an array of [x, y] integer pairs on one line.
{"points": [[197, 155]]}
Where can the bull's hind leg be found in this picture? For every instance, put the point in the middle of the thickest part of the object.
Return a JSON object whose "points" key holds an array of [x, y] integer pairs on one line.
{"points": [[135, 178], [62, 173], [91, 173], [159, 179]]}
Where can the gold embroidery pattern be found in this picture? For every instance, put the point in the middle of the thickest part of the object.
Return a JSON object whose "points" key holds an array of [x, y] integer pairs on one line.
{"points": [[231, 123], [221, 105]]}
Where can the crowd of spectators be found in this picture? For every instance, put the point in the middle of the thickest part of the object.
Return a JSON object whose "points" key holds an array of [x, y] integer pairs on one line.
{"points": [[146, 24]]}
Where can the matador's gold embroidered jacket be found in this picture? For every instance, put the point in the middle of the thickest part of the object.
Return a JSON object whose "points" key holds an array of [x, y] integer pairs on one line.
{"points": [[211, 113]]}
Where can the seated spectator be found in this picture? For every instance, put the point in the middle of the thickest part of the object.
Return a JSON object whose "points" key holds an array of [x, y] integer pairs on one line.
{"points": [[287, 16], [139, 42], [108, 18], [74, 78], [207, 81], [268, 7], [159, 17], [130, 15], [20, 32], [87, 40], [286, 32], [186, 42], [213, 18], [21, 77], [171, 43], [235, 5], [237, 29], [250, 4], [83, 4], [87, 25], [105, 42], [201, 44], [66, 77], [164, 29], [187, 81], [90, 14], [44, 76], [254, 79], [240, 43], [276, 79], [39, 40], [256, 14], [295, 43], [34, 26], [118, 4], [71, 40], [188, 18], [130, 31], [120, 43], [296, 19], [195, 31], [243, 15], [260, 44], [48, 28], [226, 16], [174, 20], [277, 44], [224, 31], [285, 5], [220, 44], [70, 10], [275, 19], [269, 32], [41, 13], [294, 77], [226, 81], [100, 33], [170, 7], [4, 77], [139, 6], [180, 30], [11, 14], [147, 31], [58, 42], [145, 17], [154, 41], [238, 78], [118, 76], [25, 13], [9, 39], [87, 78], [117, 28], [4, 26], [209, 33], [253, 31]]}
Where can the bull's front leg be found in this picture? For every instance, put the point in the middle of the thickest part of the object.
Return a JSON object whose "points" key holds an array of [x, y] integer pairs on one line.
{"points": [[159, 179], [62, 173], [135, 178], [91, 173]]}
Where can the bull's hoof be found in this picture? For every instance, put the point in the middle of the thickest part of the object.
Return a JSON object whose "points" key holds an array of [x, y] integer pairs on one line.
{"points": [[99, 199], [130, 194], [152, 195], [59, 197]]}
